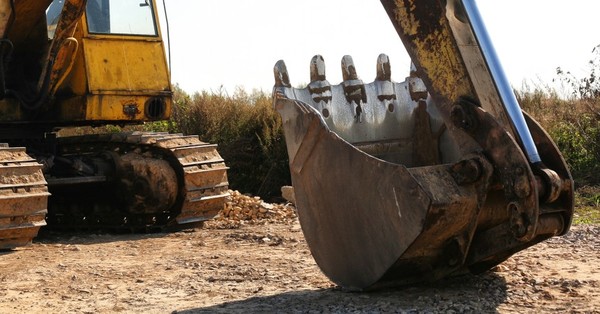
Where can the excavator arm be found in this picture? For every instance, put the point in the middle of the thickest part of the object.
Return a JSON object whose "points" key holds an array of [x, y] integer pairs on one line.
{"points": [[23, 30], [437, 175], [455, 39]]}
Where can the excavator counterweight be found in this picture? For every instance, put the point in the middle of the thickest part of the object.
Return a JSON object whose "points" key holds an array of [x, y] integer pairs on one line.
{"points": [[401, 182]]}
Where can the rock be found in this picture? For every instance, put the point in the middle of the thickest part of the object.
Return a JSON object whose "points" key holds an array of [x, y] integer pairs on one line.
{"points": [[287, 192], [241, 208]]}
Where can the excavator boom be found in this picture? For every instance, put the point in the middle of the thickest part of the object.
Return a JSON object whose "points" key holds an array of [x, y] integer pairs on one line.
{"points": [[437, 175]]}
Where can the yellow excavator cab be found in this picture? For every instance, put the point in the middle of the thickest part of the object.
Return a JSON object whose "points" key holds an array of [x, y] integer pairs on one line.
{"points": [[116, 33], [98, 61]]}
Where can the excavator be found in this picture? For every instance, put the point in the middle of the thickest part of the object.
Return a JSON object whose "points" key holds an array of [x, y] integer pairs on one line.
{"points": [[395, 182], [78, 63], [441, 174]]}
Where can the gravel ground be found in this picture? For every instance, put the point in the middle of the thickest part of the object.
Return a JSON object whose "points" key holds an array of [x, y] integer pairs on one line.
{"points": [[232, 266]]}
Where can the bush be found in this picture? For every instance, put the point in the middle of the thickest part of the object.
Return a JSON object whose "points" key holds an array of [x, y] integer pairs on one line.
{"points": [[586, 88], [248, 132], [575, 127], [580, 133]]}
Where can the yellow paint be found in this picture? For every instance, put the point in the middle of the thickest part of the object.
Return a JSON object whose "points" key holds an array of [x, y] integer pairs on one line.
{"points": [[436, 52], [118, 65], [118, 71], [111, 107]]}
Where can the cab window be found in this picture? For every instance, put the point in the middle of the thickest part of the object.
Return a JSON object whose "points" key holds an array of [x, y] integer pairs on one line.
{"points": [[124, 17]]}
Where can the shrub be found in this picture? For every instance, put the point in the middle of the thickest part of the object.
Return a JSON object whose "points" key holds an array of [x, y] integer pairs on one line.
{"points": [[248, 132], [586, 88], [574, 125], [582, 126]]}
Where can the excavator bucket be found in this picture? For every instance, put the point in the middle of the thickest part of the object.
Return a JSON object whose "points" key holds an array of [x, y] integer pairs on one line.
{"points": [[401, 182]]}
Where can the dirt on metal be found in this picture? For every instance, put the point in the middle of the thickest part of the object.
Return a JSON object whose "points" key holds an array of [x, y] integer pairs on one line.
{"points": [[23, 197]]}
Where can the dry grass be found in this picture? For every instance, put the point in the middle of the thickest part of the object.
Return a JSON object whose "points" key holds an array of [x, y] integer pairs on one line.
{"points": [[249, 134]]}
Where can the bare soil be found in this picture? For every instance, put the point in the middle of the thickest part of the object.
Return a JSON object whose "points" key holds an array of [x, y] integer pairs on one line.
{"points": [[266, 266]]}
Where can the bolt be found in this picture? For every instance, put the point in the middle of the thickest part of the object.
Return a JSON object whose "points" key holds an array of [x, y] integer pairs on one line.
{"points": [[518, 221], [466, 171]]}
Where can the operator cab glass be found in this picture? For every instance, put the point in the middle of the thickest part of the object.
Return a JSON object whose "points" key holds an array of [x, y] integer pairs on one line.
{"points": [[52, 15], [119, 17], [122, 17]]}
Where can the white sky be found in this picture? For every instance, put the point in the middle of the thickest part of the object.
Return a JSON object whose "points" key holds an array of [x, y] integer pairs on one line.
{"points": [[233, 43]]}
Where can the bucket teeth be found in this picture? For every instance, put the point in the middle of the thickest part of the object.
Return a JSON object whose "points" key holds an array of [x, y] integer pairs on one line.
{"points": [[384, 72], [383, 81], [417, 88], [354, 109], [317, 68], [377, 116], [348, 69], [413, 69], [282, 78], [354, 89], [319, 87]]}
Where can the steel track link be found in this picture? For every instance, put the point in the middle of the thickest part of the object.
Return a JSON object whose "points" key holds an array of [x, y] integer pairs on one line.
{"points": [[201, 174], [23, 197]]}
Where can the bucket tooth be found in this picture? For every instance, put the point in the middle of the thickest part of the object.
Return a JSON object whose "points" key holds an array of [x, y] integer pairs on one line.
{"points": [[384, 70], [354, 89], [282, 78], [319, 87], [317, 68], [383, 81], [417, 88]]}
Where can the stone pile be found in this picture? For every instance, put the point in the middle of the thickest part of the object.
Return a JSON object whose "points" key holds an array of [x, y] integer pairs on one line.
{"points": [[241, 209]]}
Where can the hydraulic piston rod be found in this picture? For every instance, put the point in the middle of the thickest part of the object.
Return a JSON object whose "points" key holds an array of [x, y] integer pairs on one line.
{"points": [[500, 80]]}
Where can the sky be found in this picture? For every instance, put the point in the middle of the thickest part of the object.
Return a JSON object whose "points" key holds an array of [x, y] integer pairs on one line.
{"points": [[228, 44]]}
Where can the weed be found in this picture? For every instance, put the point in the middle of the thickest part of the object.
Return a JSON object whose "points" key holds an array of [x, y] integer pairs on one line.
{"points": [[248, 132], [587, 205]]}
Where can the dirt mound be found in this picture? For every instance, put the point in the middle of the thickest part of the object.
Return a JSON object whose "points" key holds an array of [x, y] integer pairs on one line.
{"points": [[243, 209]]}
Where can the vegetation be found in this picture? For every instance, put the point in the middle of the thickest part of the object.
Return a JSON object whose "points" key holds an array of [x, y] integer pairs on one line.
{"points": [[574, 124], [575, 127], [247, 130], [587, 205]]}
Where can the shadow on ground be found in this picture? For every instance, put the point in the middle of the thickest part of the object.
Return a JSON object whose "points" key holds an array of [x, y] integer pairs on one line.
{"points": [[92, 237], [470, 293]]}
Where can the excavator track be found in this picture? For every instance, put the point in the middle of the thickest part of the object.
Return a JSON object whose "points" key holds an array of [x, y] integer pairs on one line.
{"points": [[144, 182], [23, 197]]}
